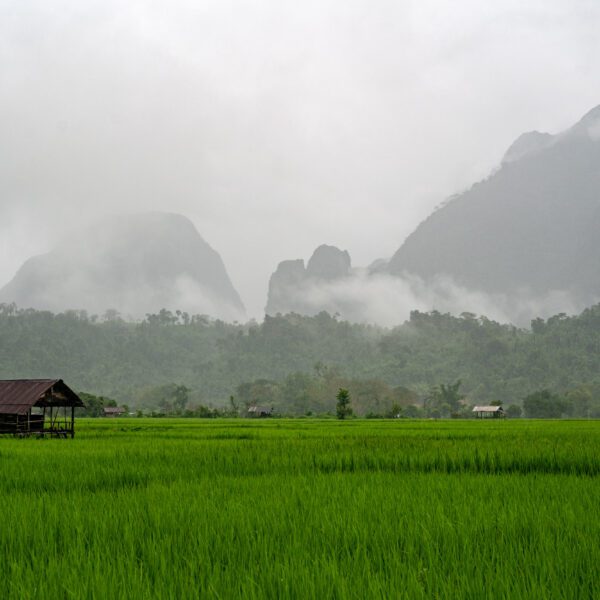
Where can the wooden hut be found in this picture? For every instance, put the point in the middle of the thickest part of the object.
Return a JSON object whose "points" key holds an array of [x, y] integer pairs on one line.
{"points": [[113, 411], [38, 406], [259, 412], [488, 412]]}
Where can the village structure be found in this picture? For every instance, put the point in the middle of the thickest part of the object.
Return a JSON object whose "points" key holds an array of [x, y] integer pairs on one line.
{"points": [[260, 412], [113, 411], [488, 412], [42, 407]]}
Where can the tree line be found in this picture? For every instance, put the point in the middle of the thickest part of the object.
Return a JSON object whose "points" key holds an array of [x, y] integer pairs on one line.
{"points": [[298, 363]]}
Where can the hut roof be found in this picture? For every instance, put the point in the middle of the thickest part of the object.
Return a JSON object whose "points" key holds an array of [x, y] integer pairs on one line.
{"points": [[17, 396], [113, 410], [260, 410], [488, 409]]}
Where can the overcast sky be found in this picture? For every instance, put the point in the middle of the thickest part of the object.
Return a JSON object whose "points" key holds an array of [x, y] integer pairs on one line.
{"points": [[274, 125]]}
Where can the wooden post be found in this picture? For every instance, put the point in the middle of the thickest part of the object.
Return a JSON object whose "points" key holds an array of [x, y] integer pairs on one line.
{"points": [[72, 422]]}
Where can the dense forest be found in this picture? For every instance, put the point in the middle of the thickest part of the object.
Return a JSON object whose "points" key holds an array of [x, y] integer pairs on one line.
{"points": [[296, 364]]}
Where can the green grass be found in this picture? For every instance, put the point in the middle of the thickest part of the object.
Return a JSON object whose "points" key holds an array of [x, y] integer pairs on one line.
{"points": [[140, 508]]}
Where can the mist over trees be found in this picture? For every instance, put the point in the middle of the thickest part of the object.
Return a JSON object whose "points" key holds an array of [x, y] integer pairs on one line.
{"points": [[297, 364]]}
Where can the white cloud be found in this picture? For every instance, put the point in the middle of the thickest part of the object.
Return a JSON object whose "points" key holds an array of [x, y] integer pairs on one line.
{"points": [[388, 300]]}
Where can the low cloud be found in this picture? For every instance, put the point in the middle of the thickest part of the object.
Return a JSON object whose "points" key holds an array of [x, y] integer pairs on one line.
{"points": [[191, 297], [78, 292], [388, 300]]}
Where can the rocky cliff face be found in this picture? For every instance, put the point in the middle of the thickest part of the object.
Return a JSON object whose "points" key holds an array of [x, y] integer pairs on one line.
{"points": [[292, 286], [135, 264], [529, 230], [328, 263]]}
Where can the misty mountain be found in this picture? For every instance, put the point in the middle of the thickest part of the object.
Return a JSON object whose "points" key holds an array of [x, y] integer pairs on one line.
{"points": [[291, 285], [529, 230], [135, 264], [520, 244]]}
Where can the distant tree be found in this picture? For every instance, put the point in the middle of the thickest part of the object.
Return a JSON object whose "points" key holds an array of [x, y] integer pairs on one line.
{"points": [[369, 395], [537, 325], [545, 404], [202, 412], [581, 399], [412, 411], [169, 398], [112, 316], [94, 405], [451, 395], [234, 407], [444, 399], [445, 410], [180, 398], [298, 393], [514, 411], [260, 391], [394, 412], [403, 396], [342, 407]]}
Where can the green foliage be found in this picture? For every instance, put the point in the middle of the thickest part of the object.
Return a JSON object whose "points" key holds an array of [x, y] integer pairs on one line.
{"points": [[444, 399], [298, 363], [342, 407], [302, 509], [543, 404], [259, 392], [514, 411], [169, 398], [94, 405], [581, 400], [180, 398]]}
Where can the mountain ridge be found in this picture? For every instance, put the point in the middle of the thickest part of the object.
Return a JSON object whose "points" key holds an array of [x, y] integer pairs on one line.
{"points": [[528, 227], [135, 263]]}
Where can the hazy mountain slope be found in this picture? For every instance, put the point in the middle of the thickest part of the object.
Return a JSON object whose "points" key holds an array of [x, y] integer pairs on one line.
{"points": [[135, 264], [530, 228]]}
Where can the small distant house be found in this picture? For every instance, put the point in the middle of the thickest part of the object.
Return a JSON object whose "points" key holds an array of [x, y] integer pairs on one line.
{"points": [[113, 411], [260, 412], [38, 406], [488, 412]]}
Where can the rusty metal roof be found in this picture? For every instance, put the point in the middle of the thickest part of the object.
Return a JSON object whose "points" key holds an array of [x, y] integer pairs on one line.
{"points": [[17, 396]]}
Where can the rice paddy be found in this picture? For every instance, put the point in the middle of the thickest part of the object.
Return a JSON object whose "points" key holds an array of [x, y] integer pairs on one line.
{"points": [[142, 508]]}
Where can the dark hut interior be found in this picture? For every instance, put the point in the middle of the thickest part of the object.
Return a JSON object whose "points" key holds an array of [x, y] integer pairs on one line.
{"points": [[42, 407]]}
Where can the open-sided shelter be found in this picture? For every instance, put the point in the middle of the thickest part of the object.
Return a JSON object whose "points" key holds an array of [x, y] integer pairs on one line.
{"points": [[40, 406], [487, 412]]}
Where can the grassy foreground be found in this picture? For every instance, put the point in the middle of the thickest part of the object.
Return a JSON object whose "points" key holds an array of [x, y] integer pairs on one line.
{"points": [[303, 509]]}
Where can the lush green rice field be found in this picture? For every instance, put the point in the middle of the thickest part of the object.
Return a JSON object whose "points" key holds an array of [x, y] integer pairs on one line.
{"points": [[303, 509]]}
